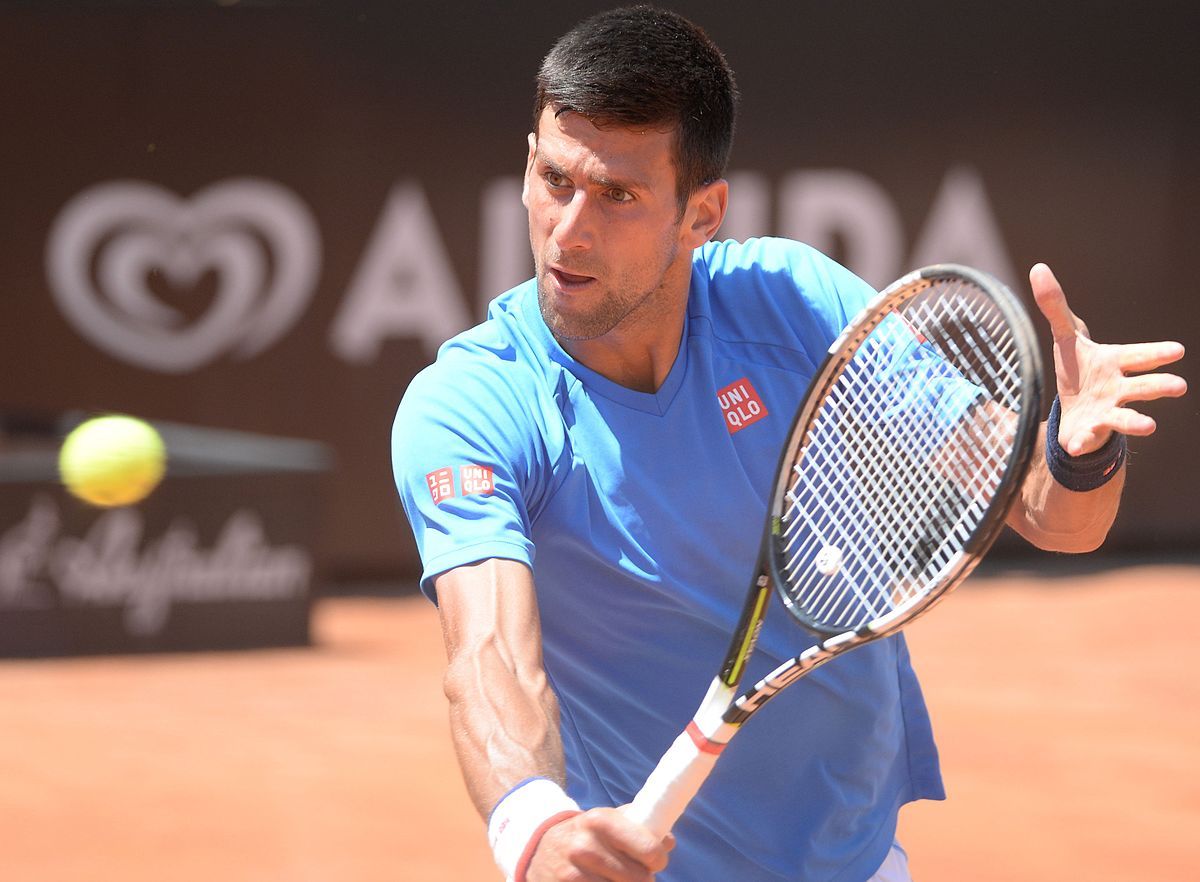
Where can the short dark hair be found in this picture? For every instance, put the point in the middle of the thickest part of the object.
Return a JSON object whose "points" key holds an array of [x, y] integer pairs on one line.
{"points": [[642, 66]]}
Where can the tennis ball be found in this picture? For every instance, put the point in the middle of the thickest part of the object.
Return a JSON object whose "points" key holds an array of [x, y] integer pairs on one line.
{"points": [[112, 460]]}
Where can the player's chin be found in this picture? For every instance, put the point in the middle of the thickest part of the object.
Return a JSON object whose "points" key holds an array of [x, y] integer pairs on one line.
{"points": [[567, 320], [566, 328]]}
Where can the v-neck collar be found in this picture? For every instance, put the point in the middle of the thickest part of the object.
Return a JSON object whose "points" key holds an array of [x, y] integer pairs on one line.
{"points": [[657, 403]]}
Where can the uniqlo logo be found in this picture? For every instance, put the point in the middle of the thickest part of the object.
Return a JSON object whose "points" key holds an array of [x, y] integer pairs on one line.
{"points": [[741, 405], [441, 485], [475, 479]]}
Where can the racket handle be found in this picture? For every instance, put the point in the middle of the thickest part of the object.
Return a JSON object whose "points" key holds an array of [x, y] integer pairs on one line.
{"points": [[674, 781]]}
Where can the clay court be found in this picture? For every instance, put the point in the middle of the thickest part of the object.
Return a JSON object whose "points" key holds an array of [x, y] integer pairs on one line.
{"points": [[1068, 756]]}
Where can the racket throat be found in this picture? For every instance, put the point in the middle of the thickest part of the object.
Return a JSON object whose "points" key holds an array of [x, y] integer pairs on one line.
{"points": [[746, 705], [791, 671], [709, 729], [746, 635]]}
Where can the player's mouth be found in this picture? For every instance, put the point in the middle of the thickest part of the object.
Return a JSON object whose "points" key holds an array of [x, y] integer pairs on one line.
{"points": [[569, 282]]}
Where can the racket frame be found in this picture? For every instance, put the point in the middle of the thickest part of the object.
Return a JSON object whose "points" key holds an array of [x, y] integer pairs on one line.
{"points": [[840, 352]]}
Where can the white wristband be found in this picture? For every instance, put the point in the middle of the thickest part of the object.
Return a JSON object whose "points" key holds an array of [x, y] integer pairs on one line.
{"points": [[519, 819]]}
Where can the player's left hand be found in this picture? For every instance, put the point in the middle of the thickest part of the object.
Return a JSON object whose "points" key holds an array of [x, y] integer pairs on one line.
{"points": [[1097, 380]]}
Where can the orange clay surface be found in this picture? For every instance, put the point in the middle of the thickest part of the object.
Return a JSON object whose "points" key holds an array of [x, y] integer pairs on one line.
{"points": [[1067, 757]]}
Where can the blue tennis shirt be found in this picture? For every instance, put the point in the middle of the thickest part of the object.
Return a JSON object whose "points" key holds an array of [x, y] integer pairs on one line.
{"points": [[641, 516]]}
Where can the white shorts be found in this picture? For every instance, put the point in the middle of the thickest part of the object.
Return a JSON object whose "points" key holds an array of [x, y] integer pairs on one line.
{"points": [[894, 867]]}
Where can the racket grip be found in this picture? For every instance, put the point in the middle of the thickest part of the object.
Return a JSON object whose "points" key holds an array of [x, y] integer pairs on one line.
{"points": [[674, 781]]}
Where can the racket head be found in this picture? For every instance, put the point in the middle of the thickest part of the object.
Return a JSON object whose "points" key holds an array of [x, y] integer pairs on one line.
{"points": [[911, 446]]}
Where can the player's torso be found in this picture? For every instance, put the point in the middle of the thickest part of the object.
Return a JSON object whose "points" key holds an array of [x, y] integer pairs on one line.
{"points": [[656, 507], [646, 535]]}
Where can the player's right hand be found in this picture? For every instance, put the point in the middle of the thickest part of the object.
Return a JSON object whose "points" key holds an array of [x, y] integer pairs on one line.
{"points": [[599, 845]]}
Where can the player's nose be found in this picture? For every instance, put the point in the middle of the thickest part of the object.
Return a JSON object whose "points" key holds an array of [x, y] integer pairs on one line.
{"points": [[575, 225]]}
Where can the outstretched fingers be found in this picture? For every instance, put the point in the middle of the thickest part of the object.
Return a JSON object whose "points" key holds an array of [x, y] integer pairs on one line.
{"points": [[1138, 357], [1052, 302], [1150, 387]]}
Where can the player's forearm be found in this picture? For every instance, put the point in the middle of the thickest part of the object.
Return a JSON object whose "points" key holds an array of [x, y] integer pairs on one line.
{"points": [[1055, 518], [503, 713], [504, 723]]}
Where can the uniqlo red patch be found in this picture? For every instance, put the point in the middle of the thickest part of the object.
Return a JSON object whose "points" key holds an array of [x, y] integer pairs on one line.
{"points": [[475, 479], [741, 405], [441, 484]]}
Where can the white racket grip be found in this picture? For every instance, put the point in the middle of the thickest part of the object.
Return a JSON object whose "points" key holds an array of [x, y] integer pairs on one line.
{"points": [[673, 783]]}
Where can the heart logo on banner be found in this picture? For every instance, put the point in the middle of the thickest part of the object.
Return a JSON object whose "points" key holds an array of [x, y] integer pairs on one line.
{"points": [[258, 240]]}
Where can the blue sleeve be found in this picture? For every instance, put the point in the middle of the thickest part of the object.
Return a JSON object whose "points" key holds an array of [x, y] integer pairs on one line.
{"points": [[833, 293], [833, 297], [784, 293], [461, 459], [899, 399], [919, 378]]}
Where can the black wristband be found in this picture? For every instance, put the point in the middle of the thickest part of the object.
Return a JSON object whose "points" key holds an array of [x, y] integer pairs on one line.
{"points": [[1085, 472]]}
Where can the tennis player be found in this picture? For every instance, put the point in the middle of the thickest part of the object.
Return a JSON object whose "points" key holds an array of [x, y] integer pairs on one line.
{"points": [[586, 474]]}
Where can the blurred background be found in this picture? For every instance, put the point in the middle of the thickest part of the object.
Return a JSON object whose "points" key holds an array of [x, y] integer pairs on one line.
{"points": [[252, 223]]}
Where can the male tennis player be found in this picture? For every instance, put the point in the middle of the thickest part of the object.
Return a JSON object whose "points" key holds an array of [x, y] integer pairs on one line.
{"points": [[587, 471]]}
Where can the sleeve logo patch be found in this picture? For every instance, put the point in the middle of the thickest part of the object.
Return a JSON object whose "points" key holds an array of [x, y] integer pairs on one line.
{"points": [[475, 479], [741, 405], [441, 485]]}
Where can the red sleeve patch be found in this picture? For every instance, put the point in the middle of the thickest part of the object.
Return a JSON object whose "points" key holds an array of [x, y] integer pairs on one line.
{"points": [[475, 479], [441, 484]]}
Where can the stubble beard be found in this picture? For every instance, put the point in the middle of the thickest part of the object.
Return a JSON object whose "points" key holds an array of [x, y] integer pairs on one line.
{"points": [[606, 315], [613, 304]]}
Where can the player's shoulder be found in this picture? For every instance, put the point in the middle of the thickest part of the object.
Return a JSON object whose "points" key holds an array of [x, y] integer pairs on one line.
{"points": [[498, 349], [771, 263], [761, 286], [759, 254], [491, 373]]}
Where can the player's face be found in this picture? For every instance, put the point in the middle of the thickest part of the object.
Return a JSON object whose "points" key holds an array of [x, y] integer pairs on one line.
{"points": [[609, 247]]}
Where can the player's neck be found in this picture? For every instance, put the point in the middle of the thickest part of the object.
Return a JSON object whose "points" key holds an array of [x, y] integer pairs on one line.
{"points": [[640, 352]]}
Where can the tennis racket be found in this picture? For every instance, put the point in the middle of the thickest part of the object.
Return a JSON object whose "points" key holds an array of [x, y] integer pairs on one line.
{"points": [[904, 458]]}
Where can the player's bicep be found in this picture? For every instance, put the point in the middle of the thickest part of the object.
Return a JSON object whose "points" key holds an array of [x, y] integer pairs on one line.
{"points": [[491, 607]]}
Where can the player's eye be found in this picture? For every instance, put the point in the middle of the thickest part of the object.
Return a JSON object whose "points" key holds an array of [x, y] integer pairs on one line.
{"points": [[616, 194], [554, 179]]}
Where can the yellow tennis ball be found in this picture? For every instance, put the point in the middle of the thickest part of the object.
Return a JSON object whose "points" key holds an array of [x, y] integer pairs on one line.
{"points": [[112, 460]]}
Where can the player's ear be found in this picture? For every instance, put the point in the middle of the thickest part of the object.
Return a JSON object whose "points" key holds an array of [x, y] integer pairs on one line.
{"points": [[528, 168], [705, 212]]}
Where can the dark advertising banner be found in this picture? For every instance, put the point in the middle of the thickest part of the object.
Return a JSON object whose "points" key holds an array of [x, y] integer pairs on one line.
{"points": [[222, 555], [266, 217]]}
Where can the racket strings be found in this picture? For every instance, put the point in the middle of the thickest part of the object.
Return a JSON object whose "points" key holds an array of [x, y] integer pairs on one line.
{"points": [[993, 355], [871, 576], [995, 359], [876, 570], [875, 580], [902, 459], [862, 571], [888, 476], [834, 484]]}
